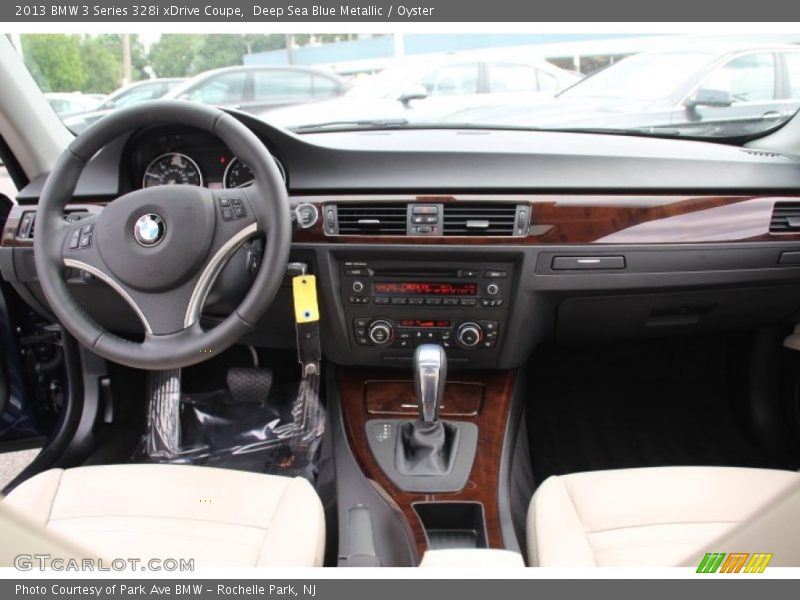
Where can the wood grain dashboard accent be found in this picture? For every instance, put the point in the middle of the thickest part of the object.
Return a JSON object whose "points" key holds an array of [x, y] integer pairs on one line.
{"points": [[592, 219], [354, 386], [555, 219]]}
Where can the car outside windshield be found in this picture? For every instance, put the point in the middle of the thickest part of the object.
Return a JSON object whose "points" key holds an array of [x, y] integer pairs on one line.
{"points": [[697, 87], [642, 77]]}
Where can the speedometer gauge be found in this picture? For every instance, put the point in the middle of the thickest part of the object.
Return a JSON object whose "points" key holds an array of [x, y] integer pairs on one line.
{"points": [[238, 174], [171, 169]]}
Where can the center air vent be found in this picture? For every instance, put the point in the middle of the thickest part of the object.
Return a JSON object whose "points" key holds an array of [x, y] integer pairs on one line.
{"points": [[372, 219], [785, 217], [474, 219]]}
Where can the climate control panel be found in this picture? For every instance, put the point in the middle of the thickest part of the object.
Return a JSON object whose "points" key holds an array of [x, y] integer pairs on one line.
{"points": [[408, 333]]}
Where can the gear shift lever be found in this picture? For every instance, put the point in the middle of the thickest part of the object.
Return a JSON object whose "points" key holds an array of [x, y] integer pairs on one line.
{"points": [[430, 376], [427, 445]]}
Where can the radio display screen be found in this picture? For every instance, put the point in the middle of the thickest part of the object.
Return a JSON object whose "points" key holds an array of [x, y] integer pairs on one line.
{"points": [[426, 289]]}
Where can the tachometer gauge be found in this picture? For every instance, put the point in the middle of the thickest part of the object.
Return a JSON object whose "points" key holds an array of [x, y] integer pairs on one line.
{"points": [[171, 169], [237, 174]]}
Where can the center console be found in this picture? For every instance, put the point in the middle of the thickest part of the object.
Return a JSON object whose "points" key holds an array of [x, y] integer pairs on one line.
{"points": [[393, 307]]}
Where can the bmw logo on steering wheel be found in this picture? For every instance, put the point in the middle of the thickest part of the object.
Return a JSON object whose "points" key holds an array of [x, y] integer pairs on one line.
{"points": [[149, 230]]}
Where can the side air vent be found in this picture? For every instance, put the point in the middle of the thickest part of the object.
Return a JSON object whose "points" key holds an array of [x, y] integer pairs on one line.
{"points": [[785, 217], [372, 219], [480, 219]]}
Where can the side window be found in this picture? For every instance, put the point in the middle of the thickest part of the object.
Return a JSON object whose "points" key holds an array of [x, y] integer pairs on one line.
{"points": [[281, 84], [508, 77], [324, 86], [748, 78], [452, 80], [227, 88], [59, 106], [792, 60]]}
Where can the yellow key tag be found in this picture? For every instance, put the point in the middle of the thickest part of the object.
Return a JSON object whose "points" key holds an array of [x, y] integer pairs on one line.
{"points": [[304, 289]]}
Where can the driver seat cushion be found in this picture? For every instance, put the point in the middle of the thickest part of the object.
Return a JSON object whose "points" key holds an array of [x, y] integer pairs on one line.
{"points": [[655, 517], [219, 517]]}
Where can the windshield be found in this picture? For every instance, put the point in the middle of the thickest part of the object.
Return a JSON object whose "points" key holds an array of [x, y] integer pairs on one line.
{"points": [[713, 88], [641, 77]]}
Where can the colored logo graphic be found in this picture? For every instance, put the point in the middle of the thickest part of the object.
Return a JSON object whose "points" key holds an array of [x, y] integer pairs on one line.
{"points": [[734, 562]]}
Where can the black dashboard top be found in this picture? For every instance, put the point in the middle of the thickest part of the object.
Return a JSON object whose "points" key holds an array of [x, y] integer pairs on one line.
{"points": [[469, 160]]}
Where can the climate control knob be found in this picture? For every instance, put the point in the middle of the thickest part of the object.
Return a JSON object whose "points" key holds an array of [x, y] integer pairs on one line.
{"points": [[381, 332], [469, 335]]}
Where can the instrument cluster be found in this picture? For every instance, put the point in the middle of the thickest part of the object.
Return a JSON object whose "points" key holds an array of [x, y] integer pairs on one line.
{"points": [[188, 158]]}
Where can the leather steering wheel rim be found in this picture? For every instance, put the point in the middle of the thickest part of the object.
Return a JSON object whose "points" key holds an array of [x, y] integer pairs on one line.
{"points": [[265, 207]]}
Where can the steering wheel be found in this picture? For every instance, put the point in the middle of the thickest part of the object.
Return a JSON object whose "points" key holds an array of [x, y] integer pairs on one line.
{"points": [[161, 248]]}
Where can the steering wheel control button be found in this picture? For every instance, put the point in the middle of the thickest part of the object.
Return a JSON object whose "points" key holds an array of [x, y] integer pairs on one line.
{"points": [[148, 230], [231, 207], [74, 239]]}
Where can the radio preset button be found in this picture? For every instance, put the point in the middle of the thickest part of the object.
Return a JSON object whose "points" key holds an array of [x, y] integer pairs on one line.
{"points": [[450, 301], [381, 300], [433, 301], [399, 300], [416, 301], [469, 301]]}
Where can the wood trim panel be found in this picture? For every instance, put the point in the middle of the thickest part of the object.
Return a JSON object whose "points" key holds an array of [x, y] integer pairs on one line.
{"points": [[485, 475], [594, 219], [560, 219]]}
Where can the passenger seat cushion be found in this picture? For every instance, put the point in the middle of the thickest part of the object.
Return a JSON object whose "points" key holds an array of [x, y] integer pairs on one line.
{"points": [[219, 517], [643, 517]]}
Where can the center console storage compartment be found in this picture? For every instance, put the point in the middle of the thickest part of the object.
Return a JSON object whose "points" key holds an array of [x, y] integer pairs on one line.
{"points": [[452, 524]]}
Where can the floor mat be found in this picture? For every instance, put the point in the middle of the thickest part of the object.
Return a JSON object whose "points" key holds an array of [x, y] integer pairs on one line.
{"points": [[12, 464], [637, 404]]}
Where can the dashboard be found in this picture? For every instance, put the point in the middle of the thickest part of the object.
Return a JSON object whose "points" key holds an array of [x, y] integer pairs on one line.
{"points": [[489, 242]]}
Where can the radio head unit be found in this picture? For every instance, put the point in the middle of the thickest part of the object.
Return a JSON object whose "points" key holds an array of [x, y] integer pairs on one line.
{"points": [[392, 307]]}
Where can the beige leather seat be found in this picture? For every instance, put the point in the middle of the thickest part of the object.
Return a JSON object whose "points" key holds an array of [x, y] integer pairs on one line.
{"points": [[218, 517], [663, 516]]}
